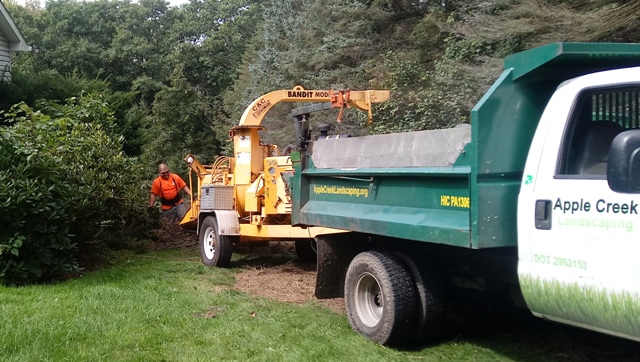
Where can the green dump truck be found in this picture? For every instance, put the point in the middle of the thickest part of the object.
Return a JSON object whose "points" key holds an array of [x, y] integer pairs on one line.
{"points": [[537, 198]]}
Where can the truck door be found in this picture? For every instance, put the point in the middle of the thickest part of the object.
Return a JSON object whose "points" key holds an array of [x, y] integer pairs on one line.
{"points": [[579, 241]]}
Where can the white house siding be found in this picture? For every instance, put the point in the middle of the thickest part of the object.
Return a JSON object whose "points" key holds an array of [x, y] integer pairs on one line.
{"points": [[5, 58]]}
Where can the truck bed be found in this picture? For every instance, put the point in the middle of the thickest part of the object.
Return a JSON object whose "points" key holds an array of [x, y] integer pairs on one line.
{"points": [[413, 185]]}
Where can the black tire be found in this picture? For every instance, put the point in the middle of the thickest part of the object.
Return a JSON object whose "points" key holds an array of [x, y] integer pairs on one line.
{"points": [[380, 298], [215, 249], [306, 250], [429, 321]]}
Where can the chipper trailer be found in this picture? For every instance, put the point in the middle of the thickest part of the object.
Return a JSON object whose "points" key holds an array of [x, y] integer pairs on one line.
{"points": [[536, 199], [245, 199]]}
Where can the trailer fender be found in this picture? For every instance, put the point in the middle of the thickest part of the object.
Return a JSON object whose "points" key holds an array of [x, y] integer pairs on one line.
{"points": [[335, 252], [228, 223]]}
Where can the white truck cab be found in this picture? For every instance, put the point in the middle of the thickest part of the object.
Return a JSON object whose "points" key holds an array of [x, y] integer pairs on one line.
{"points": [[579, 237]]}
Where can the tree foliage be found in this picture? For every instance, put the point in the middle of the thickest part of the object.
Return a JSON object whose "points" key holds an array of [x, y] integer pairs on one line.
{"points": [[136, 48], [118, 41], [437, 57], [181, 124]]}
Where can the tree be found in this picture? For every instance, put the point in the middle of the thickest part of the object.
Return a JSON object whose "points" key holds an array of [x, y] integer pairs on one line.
{"points": [[112, 40], [183, 121], [212, 37]]}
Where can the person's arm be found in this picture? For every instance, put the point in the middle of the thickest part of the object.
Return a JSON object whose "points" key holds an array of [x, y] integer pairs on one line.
{"points": [[152, 200], [187, 190], [153, 195], [183, 185]]}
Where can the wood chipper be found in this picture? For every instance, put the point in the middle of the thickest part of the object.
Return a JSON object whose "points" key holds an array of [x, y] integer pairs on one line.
{"points": [[246, 198]]}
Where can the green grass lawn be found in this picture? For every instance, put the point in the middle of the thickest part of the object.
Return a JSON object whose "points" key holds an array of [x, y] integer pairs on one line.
{"points": [[167, 306]]}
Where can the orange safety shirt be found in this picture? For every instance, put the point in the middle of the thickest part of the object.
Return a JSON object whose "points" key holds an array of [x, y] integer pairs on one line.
{"points": [[168, 189]]}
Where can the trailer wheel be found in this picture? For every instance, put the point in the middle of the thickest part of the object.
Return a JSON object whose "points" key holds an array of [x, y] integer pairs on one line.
{"points": [[306, 250], [380, 298], [215, 249]]}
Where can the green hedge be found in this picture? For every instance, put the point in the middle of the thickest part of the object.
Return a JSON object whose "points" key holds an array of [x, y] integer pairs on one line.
{"points": [[64, 184]]}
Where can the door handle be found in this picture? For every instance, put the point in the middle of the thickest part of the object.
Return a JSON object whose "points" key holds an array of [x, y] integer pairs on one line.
{"points": [[543, 214]]}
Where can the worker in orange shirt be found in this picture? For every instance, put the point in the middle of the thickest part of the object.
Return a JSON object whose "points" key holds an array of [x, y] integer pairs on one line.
{"points": [[167, 187]]}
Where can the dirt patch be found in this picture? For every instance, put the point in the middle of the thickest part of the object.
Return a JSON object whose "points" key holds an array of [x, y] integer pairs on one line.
{"points": [[271, 271], [293, 282], [171, 235], [274, 273]]}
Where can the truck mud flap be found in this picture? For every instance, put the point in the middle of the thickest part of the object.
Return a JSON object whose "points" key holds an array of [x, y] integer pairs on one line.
{"points": [[335, 252]]}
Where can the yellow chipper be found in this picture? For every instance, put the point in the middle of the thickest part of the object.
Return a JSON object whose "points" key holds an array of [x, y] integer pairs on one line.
{"points": [[246, 199]]}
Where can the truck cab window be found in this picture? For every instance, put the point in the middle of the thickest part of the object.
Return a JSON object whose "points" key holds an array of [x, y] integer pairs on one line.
{"points": [[598, 117]]}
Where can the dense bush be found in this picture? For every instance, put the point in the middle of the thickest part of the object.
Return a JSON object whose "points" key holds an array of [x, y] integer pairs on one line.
{"points": [[64, 184], [30, 85]]}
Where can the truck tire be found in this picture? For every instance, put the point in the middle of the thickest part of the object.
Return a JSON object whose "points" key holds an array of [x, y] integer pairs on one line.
{"points": [[306, 250], [430, 295], [380, 298], [215, 249]]}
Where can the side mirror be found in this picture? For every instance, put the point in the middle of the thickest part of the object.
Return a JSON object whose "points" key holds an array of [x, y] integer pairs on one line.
{"points": [[623, 166]]}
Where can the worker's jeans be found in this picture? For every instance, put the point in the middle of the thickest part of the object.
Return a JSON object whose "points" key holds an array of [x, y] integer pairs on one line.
{"points": [[176, 213]]}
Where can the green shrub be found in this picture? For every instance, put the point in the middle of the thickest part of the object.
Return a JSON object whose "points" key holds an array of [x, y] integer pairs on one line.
{"points": [[64, 184]]}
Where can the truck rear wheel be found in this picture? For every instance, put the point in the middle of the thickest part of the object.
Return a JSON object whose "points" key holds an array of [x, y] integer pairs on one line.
{"points": [[380, 298], [215, 249], [306, 250], [430, 300]]}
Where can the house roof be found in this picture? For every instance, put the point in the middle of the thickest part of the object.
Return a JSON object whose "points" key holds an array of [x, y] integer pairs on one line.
{"points": [[9, 29]]}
